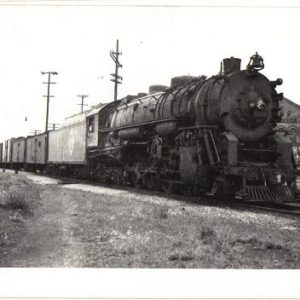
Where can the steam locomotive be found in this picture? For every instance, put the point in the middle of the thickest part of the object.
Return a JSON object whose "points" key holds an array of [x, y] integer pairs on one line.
{"points": [[200, 135]]}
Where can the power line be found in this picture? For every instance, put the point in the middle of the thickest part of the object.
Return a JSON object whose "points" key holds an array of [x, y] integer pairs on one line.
{"points": [[82, 101], [116, 78]]}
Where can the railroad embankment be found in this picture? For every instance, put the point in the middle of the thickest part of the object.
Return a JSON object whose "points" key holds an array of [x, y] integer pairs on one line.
{"points": [[78, 225]]}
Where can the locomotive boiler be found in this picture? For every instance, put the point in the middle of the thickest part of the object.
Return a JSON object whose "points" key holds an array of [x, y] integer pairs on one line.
{"points": [[201, 135]]}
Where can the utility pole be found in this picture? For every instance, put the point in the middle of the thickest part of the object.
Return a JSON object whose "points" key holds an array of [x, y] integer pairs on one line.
{"points": [[48, 96], [54, 125], [82, 101], [116, 78]]}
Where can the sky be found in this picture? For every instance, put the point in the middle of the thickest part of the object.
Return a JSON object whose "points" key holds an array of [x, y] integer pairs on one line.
{"points": [[157, 43]]}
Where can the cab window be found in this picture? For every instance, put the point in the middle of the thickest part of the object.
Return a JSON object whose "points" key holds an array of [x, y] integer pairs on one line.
{"points": [[91, 124]]}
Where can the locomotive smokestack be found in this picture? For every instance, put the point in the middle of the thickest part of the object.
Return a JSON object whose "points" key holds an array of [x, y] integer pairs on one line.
{"points": [[231, 65]]}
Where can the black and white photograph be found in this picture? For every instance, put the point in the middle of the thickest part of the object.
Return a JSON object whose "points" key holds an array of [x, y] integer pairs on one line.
{"points": [[151, 136]]}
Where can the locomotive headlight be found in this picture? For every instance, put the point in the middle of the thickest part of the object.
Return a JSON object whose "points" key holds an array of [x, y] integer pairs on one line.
{"points": [[278, 177], [260, 104], [252, 104]]}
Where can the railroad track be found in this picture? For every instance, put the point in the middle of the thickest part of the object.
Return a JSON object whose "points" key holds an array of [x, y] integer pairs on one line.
{"points": [[291, 209]]}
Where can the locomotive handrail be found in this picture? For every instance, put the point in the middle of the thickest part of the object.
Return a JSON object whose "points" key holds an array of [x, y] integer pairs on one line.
{"points": [[138, 124], [198, 126], [258, 150]]}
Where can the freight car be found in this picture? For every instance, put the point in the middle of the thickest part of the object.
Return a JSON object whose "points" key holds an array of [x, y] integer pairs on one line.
{"points": [[36, 152], [201, 135], [18, 155], [7, 153], [68, 145]]}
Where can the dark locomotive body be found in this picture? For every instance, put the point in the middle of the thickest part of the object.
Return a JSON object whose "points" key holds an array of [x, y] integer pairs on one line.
{"points": [[212, 135], [202, 135]]}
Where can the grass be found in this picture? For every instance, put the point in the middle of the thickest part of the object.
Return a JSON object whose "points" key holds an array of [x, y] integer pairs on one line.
{"points": [[18, 198], [127, 229], [17, 193], [150, 231], [16, 201]]}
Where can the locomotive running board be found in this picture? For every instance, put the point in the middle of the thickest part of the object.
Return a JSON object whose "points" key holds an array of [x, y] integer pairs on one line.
{"points": [[279, 194]]}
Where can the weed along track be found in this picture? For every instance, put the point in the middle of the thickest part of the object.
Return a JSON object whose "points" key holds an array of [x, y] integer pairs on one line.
{"points": [[82, 225]]}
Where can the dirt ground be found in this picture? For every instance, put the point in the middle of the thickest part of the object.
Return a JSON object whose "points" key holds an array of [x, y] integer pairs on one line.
{"points": [[47, 224]]}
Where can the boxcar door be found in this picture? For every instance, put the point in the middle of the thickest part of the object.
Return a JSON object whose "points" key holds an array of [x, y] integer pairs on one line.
{"points": [[6, 152], [35, 149], [18, 152]]}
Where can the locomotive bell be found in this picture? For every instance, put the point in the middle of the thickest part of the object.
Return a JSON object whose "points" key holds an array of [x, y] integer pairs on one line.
{"points": [[256, 63]]}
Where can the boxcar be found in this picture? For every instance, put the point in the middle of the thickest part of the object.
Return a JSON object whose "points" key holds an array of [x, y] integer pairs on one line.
{"points": [[36, 152], [67, 145], [7, 153], [18, 152]]}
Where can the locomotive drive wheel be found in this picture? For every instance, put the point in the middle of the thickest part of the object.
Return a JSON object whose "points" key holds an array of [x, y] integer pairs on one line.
{"points": [[150, 181], [167, 187]]}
